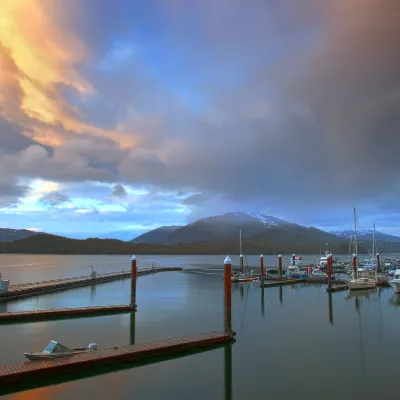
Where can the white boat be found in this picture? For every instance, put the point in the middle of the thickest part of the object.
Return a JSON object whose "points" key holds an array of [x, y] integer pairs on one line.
{"points": [[395, 282], [363, 279], [55, 349], [317, 273]]}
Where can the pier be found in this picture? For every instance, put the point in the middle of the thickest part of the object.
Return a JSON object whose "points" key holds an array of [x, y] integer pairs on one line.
{"points": [[35, 370], [35, 315], [35, 288]]}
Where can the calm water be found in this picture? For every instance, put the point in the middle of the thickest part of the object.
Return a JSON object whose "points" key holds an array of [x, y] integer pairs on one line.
{"points": [[292, 343]]}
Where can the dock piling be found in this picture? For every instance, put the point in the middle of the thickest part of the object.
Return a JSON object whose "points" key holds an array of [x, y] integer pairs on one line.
{"points": [[280, 266], [262, 269], [228, 295], [329, 271], [378, 265], [133, 283], [354, 264]]}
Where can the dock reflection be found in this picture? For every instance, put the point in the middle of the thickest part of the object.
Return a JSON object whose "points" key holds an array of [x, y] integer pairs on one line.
{"points": [[228, 371]]}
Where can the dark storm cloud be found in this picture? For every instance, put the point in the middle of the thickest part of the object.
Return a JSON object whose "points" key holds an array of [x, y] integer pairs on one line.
{"points": [[54, 199], [119, 191]]}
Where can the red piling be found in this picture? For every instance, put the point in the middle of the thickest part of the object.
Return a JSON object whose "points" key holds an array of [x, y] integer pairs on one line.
{"points": [[378, 265], [354, 264], [262, 268], [133, 282], [329, 270], [280, 266], [228, 295]]}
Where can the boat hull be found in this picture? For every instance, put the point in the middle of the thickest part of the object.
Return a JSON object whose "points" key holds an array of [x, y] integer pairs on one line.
{"points": [[43, 356], [395, 285], [361, 285]]}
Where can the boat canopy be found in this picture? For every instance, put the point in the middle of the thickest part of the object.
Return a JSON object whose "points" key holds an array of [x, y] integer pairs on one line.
{"points": [[55, 347]]}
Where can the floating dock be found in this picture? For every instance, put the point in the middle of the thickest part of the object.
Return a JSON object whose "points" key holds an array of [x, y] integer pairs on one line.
{"points": [[337, 288], [31, 289], [25, 316], [34, 370]]}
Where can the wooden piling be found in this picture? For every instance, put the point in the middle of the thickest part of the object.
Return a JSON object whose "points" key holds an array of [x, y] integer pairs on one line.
{"points": [[262, 269], [354, 264], [378, 265], [133, 282], [228, 295], [329, 270], [280, 266]]}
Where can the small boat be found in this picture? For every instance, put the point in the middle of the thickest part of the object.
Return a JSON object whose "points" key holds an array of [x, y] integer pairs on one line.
{"points": [[395, 282], [295, 272], [317, 273], [362, 279], [55, 349]]}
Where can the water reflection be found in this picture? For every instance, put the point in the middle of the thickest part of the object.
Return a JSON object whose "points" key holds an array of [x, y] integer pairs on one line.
{"points": [[228, 371], [92, 292], [330, 308], [241, 292], [132, 327], [281, 295], [361, 293], [262, 302], [395, 300], [3, 307]]}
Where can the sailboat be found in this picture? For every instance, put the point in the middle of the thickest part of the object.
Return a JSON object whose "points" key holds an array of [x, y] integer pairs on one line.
{"points": [[362, 280], [241, 277]]}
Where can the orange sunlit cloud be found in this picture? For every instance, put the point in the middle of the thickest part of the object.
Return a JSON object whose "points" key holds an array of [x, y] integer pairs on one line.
{"points": [[36, 55]]}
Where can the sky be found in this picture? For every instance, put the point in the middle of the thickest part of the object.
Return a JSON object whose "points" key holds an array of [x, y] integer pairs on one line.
{"points": [[125, 115]]}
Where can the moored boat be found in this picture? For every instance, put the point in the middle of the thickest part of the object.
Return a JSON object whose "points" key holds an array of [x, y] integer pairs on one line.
{"points": [[55, 350], [395, 282]]}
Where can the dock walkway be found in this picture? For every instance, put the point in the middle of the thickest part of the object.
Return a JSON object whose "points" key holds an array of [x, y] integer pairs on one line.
{"points": [[24, 316], [32, 370], [31, 289]]}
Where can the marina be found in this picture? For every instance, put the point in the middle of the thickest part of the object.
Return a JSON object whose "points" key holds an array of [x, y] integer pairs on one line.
{"points": [[182, 304]]}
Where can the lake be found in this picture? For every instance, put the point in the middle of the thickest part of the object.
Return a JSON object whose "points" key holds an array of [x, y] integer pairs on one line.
{"points": [[292, 342]]}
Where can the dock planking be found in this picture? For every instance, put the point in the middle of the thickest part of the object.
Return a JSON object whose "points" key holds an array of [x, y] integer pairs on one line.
{"points": [[34, 370], [25, 316], [31, 289]]}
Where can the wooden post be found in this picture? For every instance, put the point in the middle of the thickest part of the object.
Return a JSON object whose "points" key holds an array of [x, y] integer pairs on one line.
{"points": [[241, 264], [354, 263], [262, 269], [228, 295], [133, 283], [378, 265], [329, 270], [280, 266]]}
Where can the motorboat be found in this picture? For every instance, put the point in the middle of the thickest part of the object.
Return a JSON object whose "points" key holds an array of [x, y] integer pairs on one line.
{"points": [[318, 274], [395, 282], [55, 350], [241, 278], [295, 272]]}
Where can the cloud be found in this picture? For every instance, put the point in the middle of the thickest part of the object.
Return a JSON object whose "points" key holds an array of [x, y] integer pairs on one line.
{"points": [[119, 191], [54, 199], [288, 109]]}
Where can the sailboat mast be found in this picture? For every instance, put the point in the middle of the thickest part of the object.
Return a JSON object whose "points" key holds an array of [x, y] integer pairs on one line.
{"points": [[240, 241], [355, 240], [241, 253]]}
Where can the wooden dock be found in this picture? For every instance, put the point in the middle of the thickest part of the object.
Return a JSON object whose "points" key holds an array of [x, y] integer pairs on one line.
{"points": [[282, 282], [31, 289], [26, 316], [35, 370], [337, 288]]}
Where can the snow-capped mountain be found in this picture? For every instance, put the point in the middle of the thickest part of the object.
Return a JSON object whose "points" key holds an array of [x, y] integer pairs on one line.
{"points": [[365, 235]]}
